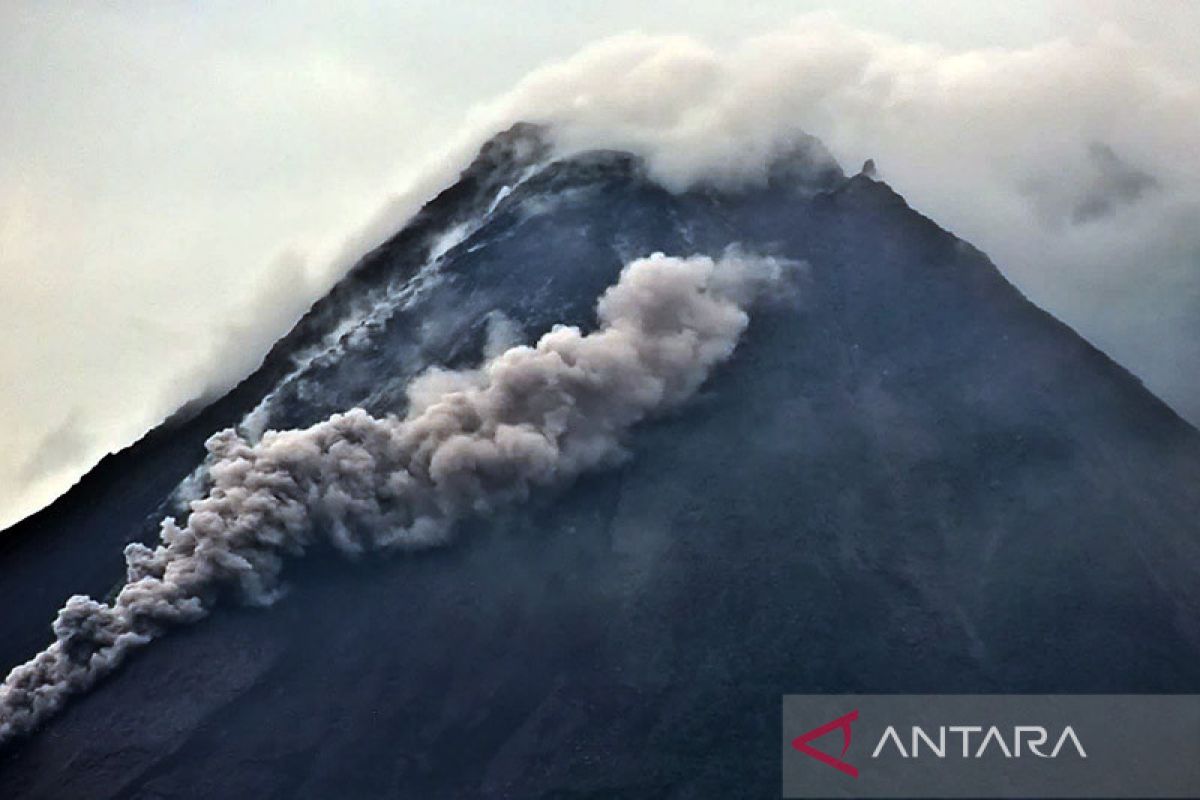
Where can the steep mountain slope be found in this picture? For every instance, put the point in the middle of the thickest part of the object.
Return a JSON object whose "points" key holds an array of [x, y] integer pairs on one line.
{"points": [[908, 478]]}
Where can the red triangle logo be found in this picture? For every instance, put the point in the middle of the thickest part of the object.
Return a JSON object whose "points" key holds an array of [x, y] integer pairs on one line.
{"points": [[801, 743]]}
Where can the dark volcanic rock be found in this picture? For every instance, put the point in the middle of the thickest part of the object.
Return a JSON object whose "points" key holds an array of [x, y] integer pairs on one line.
{"points": [[907, 479]]}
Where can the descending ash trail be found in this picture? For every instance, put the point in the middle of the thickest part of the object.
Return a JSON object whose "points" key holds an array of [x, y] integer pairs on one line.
{"points": [[471, 441]]}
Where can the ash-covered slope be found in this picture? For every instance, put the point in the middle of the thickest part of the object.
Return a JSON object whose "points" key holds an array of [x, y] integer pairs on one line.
{"points": [[907, 478]]}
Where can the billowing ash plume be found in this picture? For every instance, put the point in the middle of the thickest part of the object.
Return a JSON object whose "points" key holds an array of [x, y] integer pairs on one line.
{"points": [[471, 441]]}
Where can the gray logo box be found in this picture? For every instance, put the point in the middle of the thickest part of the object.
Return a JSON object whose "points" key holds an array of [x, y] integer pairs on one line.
{"points": [[1118, 746]]}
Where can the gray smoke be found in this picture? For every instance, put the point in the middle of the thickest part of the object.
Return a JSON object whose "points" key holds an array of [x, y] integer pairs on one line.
{"points": [[470, 442]]}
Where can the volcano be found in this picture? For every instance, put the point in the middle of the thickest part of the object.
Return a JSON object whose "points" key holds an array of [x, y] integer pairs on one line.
{"points": [[907, 478]]}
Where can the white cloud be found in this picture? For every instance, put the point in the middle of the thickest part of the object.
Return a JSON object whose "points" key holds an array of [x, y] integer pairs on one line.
{"points": [[1072, 162]]}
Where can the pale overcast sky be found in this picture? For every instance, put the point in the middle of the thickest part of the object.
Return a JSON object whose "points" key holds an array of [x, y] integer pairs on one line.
{"points": [[176, 177]]}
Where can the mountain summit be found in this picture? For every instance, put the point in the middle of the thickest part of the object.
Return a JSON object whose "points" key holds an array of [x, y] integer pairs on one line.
{"points": [[906, 478]]}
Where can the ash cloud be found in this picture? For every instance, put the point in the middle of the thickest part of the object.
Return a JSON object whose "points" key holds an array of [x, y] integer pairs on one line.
{"points": [[470, 441]]}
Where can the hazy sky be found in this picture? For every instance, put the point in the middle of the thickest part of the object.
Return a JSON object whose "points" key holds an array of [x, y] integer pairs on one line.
{"points": [[176, 178]]}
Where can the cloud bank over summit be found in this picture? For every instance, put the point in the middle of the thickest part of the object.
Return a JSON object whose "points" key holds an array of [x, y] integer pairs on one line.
{"points": [[1068, 156], [1072, 163], [469, 442]]}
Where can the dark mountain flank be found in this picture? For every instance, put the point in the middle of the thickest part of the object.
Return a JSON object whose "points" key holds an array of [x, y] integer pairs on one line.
{"points": [[907, 478]]}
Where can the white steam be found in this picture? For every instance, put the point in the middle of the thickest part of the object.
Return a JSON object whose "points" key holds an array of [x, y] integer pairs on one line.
{"points": [[471, 441], [1073, 163]]}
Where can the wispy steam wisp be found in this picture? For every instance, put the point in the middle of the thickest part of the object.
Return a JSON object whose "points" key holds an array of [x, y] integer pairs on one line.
{"points": [[471, 441]]}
